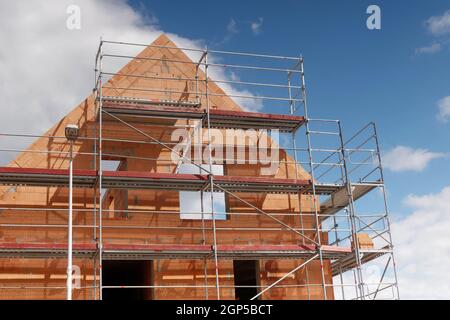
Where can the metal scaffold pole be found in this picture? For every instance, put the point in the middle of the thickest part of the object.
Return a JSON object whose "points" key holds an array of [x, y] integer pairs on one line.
{"points": [[100, 172], [70, 220], [211, 176], [351, 212], [292, 109], [386, 211], [198, 138], [95, 195], [314, 193]]}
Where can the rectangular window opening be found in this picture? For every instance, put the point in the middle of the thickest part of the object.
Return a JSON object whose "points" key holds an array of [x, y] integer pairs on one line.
{"points": [[246, 279], [195, 205], [127, 273]]}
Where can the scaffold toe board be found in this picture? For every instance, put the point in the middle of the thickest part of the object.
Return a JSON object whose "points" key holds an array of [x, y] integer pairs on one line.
{"points": [[149, 180], [258, 184], [167, 251], [46, 250], [154, 251], [197, 182], [218, 118], [46, 177], [278, 251], [254, 120], [133, 101]]}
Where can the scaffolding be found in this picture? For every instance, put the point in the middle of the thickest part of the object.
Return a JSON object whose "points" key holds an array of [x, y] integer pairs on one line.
{"points": [[330, 175]]}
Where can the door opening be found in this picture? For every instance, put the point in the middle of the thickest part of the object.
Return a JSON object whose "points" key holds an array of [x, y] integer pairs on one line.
{"points": [[127, 273], [246, 273]]}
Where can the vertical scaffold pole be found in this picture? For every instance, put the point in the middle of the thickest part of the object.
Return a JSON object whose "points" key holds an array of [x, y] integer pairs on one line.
{"points": [[70, 227], [386, 210], [294, 147], [94, 215], [211, 177], [335, 222], [311, 163], [205, 261], [100, 173], [351, 210], [197, 139]]}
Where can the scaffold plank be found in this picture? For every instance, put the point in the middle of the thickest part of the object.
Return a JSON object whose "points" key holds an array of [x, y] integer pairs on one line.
{"points": [[279, 251], [46, 177], [46, 250], [165, 251], [340, 199], [218, 118], [349, 262], [152, 180]]}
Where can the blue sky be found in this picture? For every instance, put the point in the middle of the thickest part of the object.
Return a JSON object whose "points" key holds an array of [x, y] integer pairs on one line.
{"points": [[353, 74]]}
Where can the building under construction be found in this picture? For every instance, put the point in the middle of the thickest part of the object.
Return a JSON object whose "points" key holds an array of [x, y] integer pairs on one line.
{"points": [[181, 189]]}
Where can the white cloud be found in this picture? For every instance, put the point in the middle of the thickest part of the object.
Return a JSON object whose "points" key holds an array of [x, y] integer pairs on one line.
{"points": [[444, 109], [439, 25], [231, 30], [433, 48], [402, 158], [232, 26], [422, 247], [257, 25], [47, 69]]}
